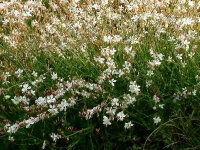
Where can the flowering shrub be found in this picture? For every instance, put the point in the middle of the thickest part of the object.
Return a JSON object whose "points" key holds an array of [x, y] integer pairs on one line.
{"points": [[107, 74]]}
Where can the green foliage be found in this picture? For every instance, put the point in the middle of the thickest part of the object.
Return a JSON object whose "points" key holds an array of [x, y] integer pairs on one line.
{"points": [[180, 126], [55, 46]]}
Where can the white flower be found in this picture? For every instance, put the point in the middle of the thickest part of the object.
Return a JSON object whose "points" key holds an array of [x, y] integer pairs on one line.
{"points": [[115, 102], [99, 59], [104, 2], [134, 88], [7, 96], [112, 82], [25, 88], [78, 25], [127, 65], [106, 121], [63, 105], [191, 3], [16, 100], [122, 1], [169, 59], [35, 74], [7, 74], [111, 111], [44, 145], [33, 83], [13, 128], [129, 99], [96, 6], [107, 38], [19, 72], [160, 56], [156, 99], [150, 73], [121, 116], [156, 120], [194, 92], [54, 76], [51, 99], [128, 125], [179, 56], [29, 122], [25, 100], [120, 73], [148, 83], [55, 137], [40, 101], [33, 92], [117, 38], [11, 138], [161, 106], [53, 110], [155, 62]]}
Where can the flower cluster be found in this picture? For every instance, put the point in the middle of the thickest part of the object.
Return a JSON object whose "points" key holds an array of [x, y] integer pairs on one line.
{"points": [[118, 58]]}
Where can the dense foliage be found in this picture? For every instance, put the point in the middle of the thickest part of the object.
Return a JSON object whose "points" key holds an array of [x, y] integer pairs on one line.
{"points": [[105, 74]]}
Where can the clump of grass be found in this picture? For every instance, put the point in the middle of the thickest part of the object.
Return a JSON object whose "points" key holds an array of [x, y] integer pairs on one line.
{"points": [[99, 75]]}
